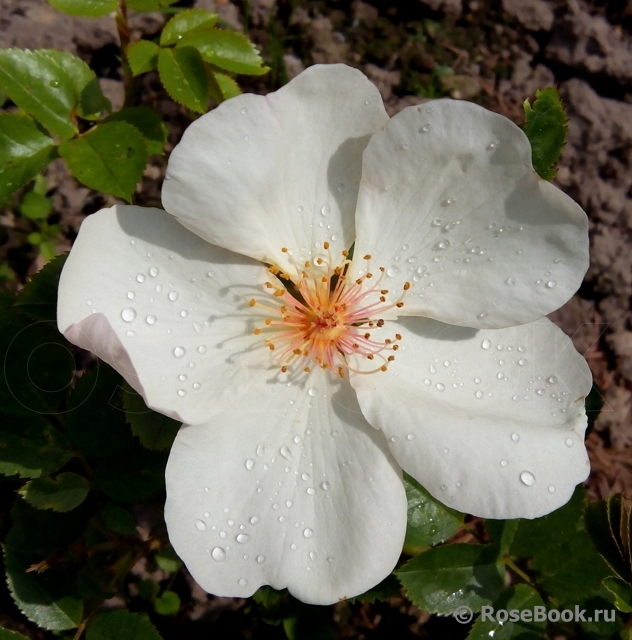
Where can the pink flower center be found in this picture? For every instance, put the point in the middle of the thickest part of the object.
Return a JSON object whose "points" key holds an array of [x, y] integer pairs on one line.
{"points": [[319, 317]]}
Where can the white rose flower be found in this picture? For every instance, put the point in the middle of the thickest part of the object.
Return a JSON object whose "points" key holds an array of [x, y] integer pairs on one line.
{"points": [[307, 376]]}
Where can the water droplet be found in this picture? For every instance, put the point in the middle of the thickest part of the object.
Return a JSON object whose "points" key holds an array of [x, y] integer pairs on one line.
{"points": [[492, 145], [540, 392], [140, 277], [218, 554], [260, 450], [550, 284], [443, 244], [392, 271], [200, 525], [308, 533], [182, 393], [440, 386], [515, 437], [510, 281], [394, 439], [486, 344], [551, 488], [243, 582], [261, 559], [130, 334], [54, 83], [310, 491], [197, 386], [410, 436], [150, 319], [449, 201], [526, 477], [325, 209], [427, 382], [128, 314], [179, 352], [325, 486], [242, 538], [285, 452], [425, 128], [551, 380], [130, 294], [482, 314], [479, 394], [153, 271], [173, 296], [243, 111], [305, 476], [250, 464], [405, 146], [503, 463], [522, 362], [569, 442], [182, 377], [312, 391]]}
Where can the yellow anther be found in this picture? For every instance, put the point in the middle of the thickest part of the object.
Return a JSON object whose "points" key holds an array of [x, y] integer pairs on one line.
{"points": [[398, 336], [359, 281], [306, 264], [382, 269], [341, 372], [395, 347], [406, 286], [268, 320], [382, 299], [380, 323], [278, 293], [370, 357], [257, 332], [387, 341], [367, 256], [269, 285], [369, 275], [297, 352], [391, 358], [252, 302], [306, 369], [383, 367], [345, 253], [323, 279], [319, 261], [367, 336], [283, 369], [384, 292], [399, 305], [326, 245], [284, 249], [270, 346]]}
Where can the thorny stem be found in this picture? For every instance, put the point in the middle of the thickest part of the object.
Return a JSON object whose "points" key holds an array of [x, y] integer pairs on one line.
{"points": [[122, 26]]}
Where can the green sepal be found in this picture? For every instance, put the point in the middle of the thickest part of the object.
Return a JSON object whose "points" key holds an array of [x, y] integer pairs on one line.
{"points": [[185, 21], [154, 430], [25, 149], [109, 158], [545, 126], [61, 493], [85, 8], [148, 122], [183, 75], [38, 299], [143, 56], [444, 578], [429, 521], [225, 49]]}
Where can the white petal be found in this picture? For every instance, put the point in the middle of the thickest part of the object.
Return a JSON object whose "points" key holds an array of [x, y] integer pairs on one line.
{"points": [[490, 422], [450, 202], [292, 491], [166, 309], [264, 172]]}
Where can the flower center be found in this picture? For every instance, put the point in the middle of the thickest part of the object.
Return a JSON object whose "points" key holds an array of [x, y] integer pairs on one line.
{"points": [[319, 317]]}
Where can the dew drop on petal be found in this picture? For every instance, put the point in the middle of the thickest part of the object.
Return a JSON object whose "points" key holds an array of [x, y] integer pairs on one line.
{"points": [[179, 352], [243, 582], [261, 559], [325, 209], [410, 436], [551, 488], [312, 391], [550, 284], [503, 463], [150, 319], [130, 294], [173, 296], [486, 344], [200, 525], [140, 277], [182, 393], [522, 362], [440, 386], [527, 478], [569, 442], [551, 380], [201, 349], [218, 554], [515, 437], [479, 394], [153, 271], [128, 314], [254, 520], [250, 464], [242, 538], [425, 128], [308, 533], [510, 281]]}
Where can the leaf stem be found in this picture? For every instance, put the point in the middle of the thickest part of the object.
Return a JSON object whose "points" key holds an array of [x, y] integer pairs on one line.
{"points": [[122, 26], [518, 571]]}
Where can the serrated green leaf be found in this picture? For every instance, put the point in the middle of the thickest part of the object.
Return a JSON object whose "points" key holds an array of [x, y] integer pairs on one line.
{"points": [[90, 100], [85, 8], [622, 593], [48, 599], [183, 75], [132, 477], [185, 21], [603, 537], [143, 56], [119, 520], [545, 126], [38, 299], [40, 86], [5, 634], [167, 559], [95, 421], [121, 625], [35, 206], [62, 493], [148, 122], [149, 5], [148, 589], [168, 604], [444, 578], [25, 149], [515, 600], [154, 430], [222, 86], [109, 158], [388, 588], [31, 447], [429, 521], [225, 49]]}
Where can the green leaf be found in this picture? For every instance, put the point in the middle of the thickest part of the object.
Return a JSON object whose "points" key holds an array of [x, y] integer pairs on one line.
{"points": [[119, 520], [545, 126], [148, 122], [25, 149], [95, 421], [109, 158], [185, 21], [155, 431], [35, 207], [168, 604], [85, 8], [137, 475], [503, 532], [90, 99], [388, 588], [429, 521], [148, 589], [518, 599], [143, 56], [183, 75], [48, 599], [36, 82], [121, 625], [222, 86], [622, 593], [266, 596], [5, 634], [62, 493], [31, 447], [167, 559], [38, 299], [225, 49], [148, 5], [444, 578]]}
